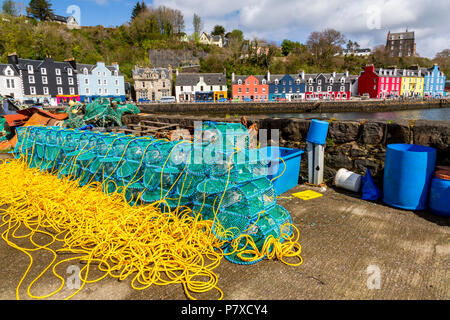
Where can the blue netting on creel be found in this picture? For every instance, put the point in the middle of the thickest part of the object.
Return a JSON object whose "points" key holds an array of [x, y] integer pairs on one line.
{"points": [[216, 175]]}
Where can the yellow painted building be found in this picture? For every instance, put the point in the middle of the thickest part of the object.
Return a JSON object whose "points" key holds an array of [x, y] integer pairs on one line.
{"points": [[220, 95], [412, 84]]}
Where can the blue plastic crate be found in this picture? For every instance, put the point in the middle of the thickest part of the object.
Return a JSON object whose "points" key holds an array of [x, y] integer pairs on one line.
{"points": [[292, 159]]}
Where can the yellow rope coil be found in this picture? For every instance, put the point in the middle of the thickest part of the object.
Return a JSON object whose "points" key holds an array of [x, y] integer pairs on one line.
{"points": [[122, 241]]}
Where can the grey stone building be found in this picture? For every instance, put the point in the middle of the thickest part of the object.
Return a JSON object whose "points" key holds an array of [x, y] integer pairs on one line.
{"points": [[401, 44], [151, 84]]}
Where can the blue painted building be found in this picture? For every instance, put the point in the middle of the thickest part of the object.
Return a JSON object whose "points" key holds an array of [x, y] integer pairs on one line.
{"points": [[100, 81], [288, 86], [434, 82]]}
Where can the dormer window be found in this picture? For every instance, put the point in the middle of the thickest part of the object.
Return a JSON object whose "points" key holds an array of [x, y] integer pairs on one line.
{"points": [[239, 81], [319, 82], [43, 71], [85, 71], [342, 80], [58, 72], [69, 72], [276, 81], [297, 81], [331, 80], [30, 69], [264, 81], [310, 80]]}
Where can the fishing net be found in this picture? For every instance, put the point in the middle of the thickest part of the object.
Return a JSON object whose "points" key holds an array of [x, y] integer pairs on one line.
{"points": [[102, 112]]}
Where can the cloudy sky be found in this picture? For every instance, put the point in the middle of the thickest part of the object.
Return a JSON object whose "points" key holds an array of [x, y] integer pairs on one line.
{"points": [[366, 21]]}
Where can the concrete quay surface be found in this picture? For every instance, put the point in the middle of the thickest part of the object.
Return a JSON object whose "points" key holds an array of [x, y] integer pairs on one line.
{"points": [[346, 242]]}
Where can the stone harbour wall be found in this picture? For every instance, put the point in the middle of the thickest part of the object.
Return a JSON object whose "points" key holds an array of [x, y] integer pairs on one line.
{"points": [[354, 145], [357, 145]]}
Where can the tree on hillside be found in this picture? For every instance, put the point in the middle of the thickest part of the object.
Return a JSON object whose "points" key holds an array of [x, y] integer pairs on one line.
{"points": [[324, 45], [288, 46], [443, 60], [10, 7], [40, 9], [138, 8], [236, 34], [218, 31], [198, 26]]}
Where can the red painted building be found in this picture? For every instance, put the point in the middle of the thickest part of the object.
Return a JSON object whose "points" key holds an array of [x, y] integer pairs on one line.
{"points": [[254, 88], [379, 83]]}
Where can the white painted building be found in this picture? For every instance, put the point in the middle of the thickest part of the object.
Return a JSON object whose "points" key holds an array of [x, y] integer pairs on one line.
{"points": [[206, 86], [10, 82]]}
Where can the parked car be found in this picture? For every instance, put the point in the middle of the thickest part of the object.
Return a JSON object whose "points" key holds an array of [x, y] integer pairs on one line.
{"points": [[167, 100], [248, 100], [222, 100]]}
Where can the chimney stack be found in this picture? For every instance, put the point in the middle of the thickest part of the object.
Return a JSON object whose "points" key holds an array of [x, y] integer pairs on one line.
{"points": [[268, 76], [233, 77], [302, 74], [13, 59]]}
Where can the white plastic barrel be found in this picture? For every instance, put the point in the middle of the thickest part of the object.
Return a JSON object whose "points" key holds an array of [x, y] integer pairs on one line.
{"points": [[348, 180]]}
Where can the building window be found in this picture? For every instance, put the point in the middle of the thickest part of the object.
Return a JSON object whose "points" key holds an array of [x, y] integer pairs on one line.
{"points": [[330, 88], [256, 90], [43, 71], [44, 80], [58, 72], [87, 91], [31, 79], [311, 89], [264, 90], [239, 81], [106, 90], [10, 83], [319, 82], [85, 71], [100, 91], [100, 83], [342, 88], [30, 69], [71, 81], [45, 90], [32, 90], [117, 90], [72, 91], [105, 82], [247, 90], [69, 72], [319, 88], [86, 81], [60, 90], [58, 80], [117, 82], [239, 90]]}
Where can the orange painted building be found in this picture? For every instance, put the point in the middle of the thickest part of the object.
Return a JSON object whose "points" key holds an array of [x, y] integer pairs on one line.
{"points": [[254, 88]]}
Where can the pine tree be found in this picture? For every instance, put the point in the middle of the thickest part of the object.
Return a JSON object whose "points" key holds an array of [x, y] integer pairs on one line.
{"points": [[136, 10], [40, 9], [10, 7]]}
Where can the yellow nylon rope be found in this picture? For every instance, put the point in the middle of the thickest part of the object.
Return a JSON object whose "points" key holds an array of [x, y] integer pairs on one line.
{"points": [[122, 241]]}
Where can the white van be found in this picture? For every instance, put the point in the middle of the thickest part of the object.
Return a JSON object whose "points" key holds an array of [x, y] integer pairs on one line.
{"points": [[167, 100]]}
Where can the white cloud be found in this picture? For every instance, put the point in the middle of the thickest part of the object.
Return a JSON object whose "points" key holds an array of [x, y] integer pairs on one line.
{"points": [[275, 20]]}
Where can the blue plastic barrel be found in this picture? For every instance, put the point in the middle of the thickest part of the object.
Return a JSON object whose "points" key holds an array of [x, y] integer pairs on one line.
{"points": [[318, 131], [407, 175], [288, 173], [440, 194]]}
